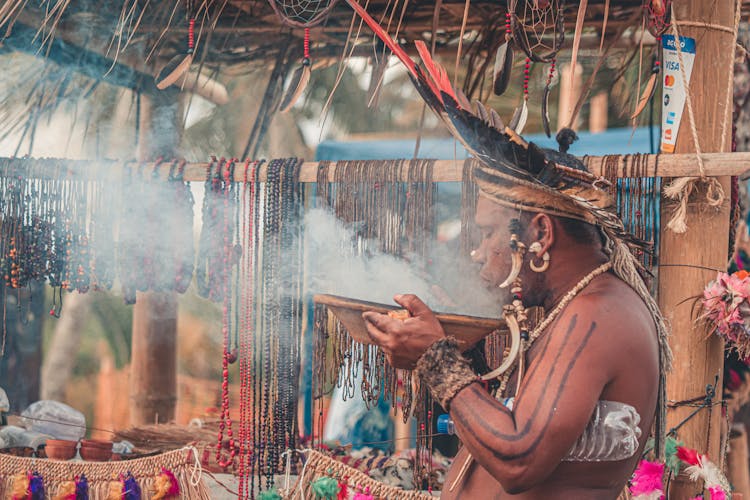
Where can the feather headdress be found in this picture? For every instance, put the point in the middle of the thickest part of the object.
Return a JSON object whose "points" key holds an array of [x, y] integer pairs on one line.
{"points": [[516, 173]]}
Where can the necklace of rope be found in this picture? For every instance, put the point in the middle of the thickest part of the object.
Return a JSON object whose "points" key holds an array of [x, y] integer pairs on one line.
{"points": [[541, 327]]}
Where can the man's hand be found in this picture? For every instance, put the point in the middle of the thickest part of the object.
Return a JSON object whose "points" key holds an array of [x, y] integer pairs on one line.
{"points": [[403, 342]]}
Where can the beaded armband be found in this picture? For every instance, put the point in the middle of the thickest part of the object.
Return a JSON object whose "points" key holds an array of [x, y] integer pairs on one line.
{"points": [[445, 370]]}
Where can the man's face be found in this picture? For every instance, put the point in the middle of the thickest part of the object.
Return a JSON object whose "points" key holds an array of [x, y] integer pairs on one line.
{"points": [[493, 252]]}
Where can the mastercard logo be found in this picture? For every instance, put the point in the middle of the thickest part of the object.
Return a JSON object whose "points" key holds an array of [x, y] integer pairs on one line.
{"points": [[669, 80]]}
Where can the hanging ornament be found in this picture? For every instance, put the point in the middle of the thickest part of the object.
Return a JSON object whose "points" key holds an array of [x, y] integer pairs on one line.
{"points": [[269, 495], [179, 64], [503, 60], [166, 485], [649, 90], [300, 14], [67, 491], [300, 78], [326, 488], [538, 28], [658, 14], [82, 488], [545, 99]]}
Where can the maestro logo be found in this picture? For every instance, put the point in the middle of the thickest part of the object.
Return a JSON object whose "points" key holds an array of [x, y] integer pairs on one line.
{"points": [[669, 81]]}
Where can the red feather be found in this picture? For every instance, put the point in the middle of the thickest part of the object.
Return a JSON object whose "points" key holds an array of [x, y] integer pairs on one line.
{"points": [[437, 72], [383, 35], [688, 455]]}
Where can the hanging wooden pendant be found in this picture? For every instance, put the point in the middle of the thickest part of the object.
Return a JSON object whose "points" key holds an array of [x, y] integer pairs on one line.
{"points": [[300, 79], [179, 64], [648, 91]]}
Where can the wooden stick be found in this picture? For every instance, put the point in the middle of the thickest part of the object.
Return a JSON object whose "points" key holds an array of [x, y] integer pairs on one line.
{"points": [[666, 165]]}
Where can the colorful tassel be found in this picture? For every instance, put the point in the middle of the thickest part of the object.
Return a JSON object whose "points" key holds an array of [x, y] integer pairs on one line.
{"points": [[115, 490], [325, 487], [67, 491], [269, 495], [363, 496], [166, 485], [82, 488], [130, 488], [717, 493], [647, 482], [699, 467], [20, 490], [36, 487], [343, 491], [670, 455]]}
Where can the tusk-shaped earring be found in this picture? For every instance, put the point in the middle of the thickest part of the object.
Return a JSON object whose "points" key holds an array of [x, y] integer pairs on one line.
{"points": [[515, 347], [515, 270]]}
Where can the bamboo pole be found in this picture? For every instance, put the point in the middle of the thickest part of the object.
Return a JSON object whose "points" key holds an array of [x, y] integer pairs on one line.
{"points": [[698, 357], [664, 165]]}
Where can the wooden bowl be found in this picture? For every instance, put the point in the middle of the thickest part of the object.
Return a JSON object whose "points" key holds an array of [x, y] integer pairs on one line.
{"points": [[467, 329], [59, 449]]}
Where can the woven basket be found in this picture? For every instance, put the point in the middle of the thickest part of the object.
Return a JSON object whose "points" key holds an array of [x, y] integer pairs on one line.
{"points": [[318, 465], [57, 473]]}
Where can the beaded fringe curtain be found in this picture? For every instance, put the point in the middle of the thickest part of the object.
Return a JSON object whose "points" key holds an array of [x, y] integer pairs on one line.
{"points": [[392, 203], [102, 477]]}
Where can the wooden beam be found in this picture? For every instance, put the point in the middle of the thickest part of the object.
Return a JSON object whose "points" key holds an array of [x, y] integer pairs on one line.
{"points": [[675, 165], [698, 355]]}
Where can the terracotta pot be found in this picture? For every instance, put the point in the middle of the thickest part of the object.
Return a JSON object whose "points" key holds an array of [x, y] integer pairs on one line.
{"points": [[59, 449], [95, 453]]}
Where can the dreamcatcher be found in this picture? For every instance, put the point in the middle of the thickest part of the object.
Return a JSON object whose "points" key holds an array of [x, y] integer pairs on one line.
{"points": [[537, 28], [300, 14], [656, 18]]}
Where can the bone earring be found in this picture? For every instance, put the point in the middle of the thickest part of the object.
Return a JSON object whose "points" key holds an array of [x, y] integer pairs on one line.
{"points": [[518, 249], [535, 248]]}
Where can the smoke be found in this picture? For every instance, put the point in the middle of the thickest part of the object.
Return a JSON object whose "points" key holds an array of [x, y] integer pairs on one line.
{"points": [[342, 263]]}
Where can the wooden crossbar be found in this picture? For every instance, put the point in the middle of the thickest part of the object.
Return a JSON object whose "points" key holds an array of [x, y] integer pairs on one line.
{"points": [[665, 165]]}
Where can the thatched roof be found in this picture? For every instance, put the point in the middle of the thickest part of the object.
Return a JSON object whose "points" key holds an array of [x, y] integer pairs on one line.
{"points": [[240, 33]]}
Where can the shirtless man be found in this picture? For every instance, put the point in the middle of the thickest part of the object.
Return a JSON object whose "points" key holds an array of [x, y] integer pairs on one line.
{"points": [[602, 346]]}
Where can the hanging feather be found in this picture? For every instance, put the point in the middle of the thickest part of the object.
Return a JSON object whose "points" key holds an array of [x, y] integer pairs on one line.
{"points": [[545, 111], [648, 92], [520, 115], [300, 78], [577, 38], [297, 85], [343, 491], [503, 68]]}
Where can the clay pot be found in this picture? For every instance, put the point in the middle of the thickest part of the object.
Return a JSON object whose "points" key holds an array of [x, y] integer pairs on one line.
{"points": [[59, 449], [96, 451]]}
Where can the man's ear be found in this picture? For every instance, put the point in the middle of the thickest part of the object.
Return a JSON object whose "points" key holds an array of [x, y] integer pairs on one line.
{"points": [[542, 229]]}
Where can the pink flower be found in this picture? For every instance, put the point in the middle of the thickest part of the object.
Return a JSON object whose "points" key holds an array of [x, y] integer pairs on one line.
{"points": [[647, 478]]}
